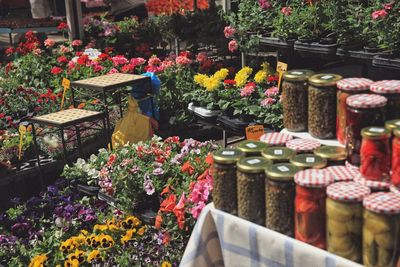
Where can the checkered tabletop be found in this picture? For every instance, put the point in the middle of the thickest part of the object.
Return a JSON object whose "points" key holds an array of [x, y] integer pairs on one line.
{"points": [[109, 81], [67, 117]]}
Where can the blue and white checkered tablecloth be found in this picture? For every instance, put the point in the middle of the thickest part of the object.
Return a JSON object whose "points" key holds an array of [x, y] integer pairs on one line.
{"points": [[221, 239]]}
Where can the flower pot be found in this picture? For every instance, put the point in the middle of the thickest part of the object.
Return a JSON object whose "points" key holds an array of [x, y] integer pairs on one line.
{"points": [[372, 50], [204, 113], [328, 40]]}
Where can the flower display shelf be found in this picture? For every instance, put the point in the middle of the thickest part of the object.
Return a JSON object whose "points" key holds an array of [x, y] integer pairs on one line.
{"points": [[360, 54], [110, 200], [317, 48], [203, 113], [305, 135], [386, 62], [276, 42], [233, 124]]}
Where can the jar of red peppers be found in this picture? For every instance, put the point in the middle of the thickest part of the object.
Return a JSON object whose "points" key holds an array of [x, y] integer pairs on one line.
{"points": [[362, 111], [335, 155], [346, 88], [391, 90], [251, 148], [396, 158], [375, 154], [310, 224]]}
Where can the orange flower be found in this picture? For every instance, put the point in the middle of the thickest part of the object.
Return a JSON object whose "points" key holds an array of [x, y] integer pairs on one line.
{"points": [[158, 223], [81, 105], [96, 101], [168, 204], [166, 239], [209, 159], [166, 190], [187, 168]]}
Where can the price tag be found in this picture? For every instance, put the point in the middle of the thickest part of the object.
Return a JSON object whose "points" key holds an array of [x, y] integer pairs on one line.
{"points": [[327, 77], [254, 132], [281, 68], [283, 168], [66, 84], [251, 145], [376, 130], [310, 160], [253, 161], [228, 153], [278, 152], [22, 132], [92, 53]]}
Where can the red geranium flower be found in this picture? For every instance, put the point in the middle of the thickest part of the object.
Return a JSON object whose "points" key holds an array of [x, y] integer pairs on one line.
{"points": [[62, 26], [62, 59], [56, 70]]}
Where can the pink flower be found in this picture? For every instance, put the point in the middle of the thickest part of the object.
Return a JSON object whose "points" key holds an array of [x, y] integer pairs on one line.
{"points": [[62, 59], [388, 6], [267, 102], [37, 51], [9, 51], [273, 91], [71, 64], [166, 64], [138, 61], [229, 31], [119, 60], [76, 43], [154, 61], [201, 57], [196, 210], [49, 43], [379, 14], [286, 11], [264, 4], [113, 70], [64, 49], [248, 89], [98, 68], [56, 70], [233, 46], [182, 60]]}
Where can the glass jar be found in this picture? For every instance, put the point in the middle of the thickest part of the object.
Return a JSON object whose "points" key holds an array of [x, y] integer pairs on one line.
{"points": [[322, 105], [335, 155], [381, 230], [276, 139], [343, 173], [303, 145], [251, 148], [363, 110], [279, 198], [308, 161], [391, 90], [344, 219], [224, 192], [396, 158], [294, 99], [375, 186], [375, 154], [251, 188], [278, 154], [310, 209], [391, 126], [346, 88]]}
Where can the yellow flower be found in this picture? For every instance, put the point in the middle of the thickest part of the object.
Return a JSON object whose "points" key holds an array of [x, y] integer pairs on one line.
{"points": [[260, 76], [221, 74], [242, 76], [141, 231], [211, 84], [84, 232], [93, 255], [113, 225], [199, 79], [166, 264], [67, 246], [77, 255], [38, 260], [106, 241], [100, 227], [71, 263]]}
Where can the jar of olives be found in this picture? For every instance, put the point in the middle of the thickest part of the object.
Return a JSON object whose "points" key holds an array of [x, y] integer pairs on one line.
{"points": [[362, 111], [279, 198], [322, 105], [335, 155], [251, 148], [224, 179], [344, 219], [346, 88], [391, 90], [276, 139], [294, 99], [308, 161], [396, 158], [310, 209], [381, 230], [303, 145], [251, 188], [278, 154]]}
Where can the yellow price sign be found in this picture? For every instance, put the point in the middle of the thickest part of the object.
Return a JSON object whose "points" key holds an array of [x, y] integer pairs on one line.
{"points": [[281, 68], [254, 132], [66, 84], [22, 132]]}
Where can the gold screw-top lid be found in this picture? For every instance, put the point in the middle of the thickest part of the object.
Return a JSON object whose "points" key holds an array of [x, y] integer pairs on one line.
{"points": [[375, 133], [333, 153], [227, 156], [282, 171], [392, 125], [251, 147], [297, 75], [278, 153], [308, 161], [324, 79], [253, 164], [396, 132]]}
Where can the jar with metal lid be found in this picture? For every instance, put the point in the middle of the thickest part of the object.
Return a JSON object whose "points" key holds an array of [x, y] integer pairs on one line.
{"points": [[308, 161], [346, 88], [396, 158], [322, 105], [251, 148], [363, 110], [344, 219], [251, 188], [278, 154], [375, 153], [392, 125], [381, 230], [224, 179], [335, 155], [343, 173], [294, 99], [391, 90], [303, 145], [310, 209], [279, 198], [276, 139]]}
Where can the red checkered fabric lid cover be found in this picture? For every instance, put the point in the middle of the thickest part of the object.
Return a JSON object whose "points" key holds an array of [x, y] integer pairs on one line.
{"points": [[347, 191], [394, 189], [383, 202], [276, 139], [343, 173], [372, 184], [366, 101], [354, 84], [313, 178], [303, 145], [386, 87]]}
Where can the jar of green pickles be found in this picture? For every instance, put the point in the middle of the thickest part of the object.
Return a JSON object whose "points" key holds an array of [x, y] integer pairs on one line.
{"points": [[294, 99], [251, 188], [279, 198], [381, 230], [278, 154], [335, 155], [224, 179], [251, 148], [344, 219], [308, 161]]}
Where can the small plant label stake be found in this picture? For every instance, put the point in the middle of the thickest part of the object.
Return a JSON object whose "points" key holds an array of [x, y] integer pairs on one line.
{"points": [[22, 132], [281, 68], [66, 84], [254, 132]]}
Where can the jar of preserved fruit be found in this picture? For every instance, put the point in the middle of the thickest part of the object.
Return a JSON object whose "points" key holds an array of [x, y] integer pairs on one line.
{"points": [[381, 230], [308, 161], [343, 173], [392, 125], [224, 179], [251, 148], [276, 139], [278, 154], [295, 99], [303, 145], [375, 186], [396, 158], [310, 209], [279, 198], [375, 154], [251, 188], [391, 90], [346, 88], [344, 219], [322, 105], [335, 155], [363, 110]]}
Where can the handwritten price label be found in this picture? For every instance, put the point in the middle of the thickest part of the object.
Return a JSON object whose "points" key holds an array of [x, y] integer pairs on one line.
{"points": [[254, 132], [281, 68]]}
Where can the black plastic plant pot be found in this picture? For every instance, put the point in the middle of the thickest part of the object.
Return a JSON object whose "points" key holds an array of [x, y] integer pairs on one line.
{"points": [[110, 200], [149, 217], [373, 50], [386, 61], [233, 124], [317, 48], [276, 42], [328, 40], [88, 190]]}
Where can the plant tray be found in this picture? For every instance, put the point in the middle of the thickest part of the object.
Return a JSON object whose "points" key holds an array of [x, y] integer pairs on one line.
{"points": [[110, 200], [233, 124], [88, 190], [379, 61], [276, 42], [203, 113], [327, 49], [360, 54]]}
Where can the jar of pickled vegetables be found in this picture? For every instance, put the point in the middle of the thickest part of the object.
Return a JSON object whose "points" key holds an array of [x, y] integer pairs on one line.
{"points": [[279, 198], [396, 158], [303, 145], [224, 179], [343, 173], [363, 110], [251, 148], [322, 105], [308, 161], [276, 139], [391, 90], [278, 154], [251, 188], [335, 155], [310, 209], [381, 230], [346, 88], [344, 219], [375, 154], [295, 99]]}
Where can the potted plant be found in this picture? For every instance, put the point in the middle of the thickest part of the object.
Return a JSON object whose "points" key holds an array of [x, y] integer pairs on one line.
{"points": [[284, 25]]}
